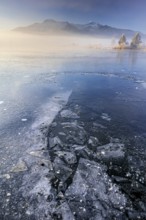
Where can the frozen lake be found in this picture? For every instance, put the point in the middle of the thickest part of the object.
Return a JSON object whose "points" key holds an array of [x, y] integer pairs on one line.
{"points": [[105, 88]]}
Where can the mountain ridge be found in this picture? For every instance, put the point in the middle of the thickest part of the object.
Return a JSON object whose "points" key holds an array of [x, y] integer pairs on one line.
{"points": [[51, 26]]}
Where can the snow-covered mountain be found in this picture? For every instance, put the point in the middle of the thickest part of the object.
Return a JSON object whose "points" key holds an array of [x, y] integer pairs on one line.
{"points": [[50, 26]]}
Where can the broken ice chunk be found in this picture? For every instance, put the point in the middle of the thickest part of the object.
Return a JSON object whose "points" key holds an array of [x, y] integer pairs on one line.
{"points": [[69, 114], [89, 193], [114, 151], [54, 142], [69, 157], [20, 167], [106, 117]]}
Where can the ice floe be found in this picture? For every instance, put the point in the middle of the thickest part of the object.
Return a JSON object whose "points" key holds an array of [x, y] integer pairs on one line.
{"points": [[24, 119], [105, 117]]}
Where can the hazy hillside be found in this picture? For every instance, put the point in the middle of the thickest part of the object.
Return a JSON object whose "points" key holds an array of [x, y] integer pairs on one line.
{"points": [[61, 27]]}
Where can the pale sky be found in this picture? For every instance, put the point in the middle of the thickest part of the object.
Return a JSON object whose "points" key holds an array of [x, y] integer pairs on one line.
{"points": [[130, 14]]}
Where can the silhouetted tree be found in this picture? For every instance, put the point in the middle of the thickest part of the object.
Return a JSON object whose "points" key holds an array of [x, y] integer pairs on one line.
{"points": [[123, 41], [136, 41]]}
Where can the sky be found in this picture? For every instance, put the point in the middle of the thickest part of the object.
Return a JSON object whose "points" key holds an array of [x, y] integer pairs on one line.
{"points": [[129, 14]]}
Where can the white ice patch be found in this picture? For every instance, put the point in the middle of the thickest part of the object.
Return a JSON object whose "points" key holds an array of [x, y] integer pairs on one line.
{"points": [[51, 109], [69, 114], [36, 155], [139, 81], [105, 116], [26, 76], [24, 119], [144, 84], [1, 102]]}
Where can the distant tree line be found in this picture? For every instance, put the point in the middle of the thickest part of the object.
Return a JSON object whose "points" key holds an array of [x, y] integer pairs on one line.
{"points": [[135, 42]]}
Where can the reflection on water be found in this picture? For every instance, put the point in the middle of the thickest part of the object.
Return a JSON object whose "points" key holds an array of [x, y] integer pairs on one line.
{"points": [[133, 56], [130, 57]]}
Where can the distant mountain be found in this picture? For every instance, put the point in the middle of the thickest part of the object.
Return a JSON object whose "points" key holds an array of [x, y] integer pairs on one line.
{"points": [[62, 27]]}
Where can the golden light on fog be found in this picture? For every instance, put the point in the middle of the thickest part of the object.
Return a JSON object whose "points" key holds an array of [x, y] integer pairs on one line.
{"points": [[13, 41]]}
